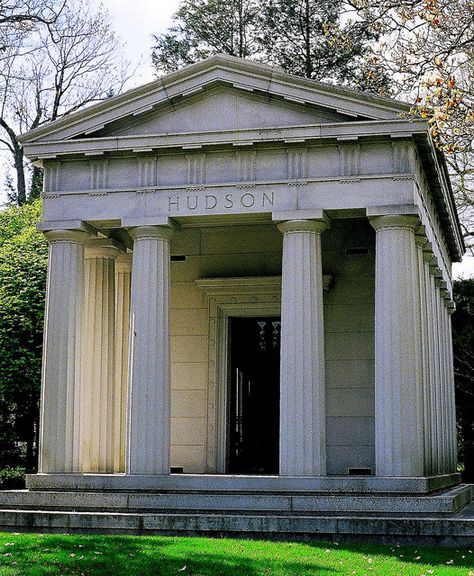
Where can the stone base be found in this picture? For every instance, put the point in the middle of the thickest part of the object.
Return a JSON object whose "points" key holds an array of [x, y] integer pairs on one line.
{"points": [[228, 483], [456, 530], [442, 518]]}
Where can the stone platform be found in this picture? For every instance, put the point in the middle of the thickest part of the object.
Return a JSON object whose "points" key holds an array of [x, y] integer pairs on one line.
{"points": [[442, 517]]}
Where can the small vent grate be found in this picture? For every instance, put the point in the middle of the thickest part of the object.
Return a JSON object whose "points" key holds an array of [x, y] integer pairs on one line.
{"points": [[176, 470], [178, 258], [360, 251], [360, 471]]}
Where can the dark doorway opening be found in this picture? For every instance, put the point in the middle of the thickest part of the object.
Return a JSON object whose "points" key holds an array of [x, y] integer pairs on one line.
{"points": [[254, 407]]}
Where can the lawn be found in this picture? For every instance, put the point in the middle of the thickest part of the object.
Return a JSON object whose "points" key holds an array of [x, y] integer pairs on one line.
{"points": [[38, 555]]}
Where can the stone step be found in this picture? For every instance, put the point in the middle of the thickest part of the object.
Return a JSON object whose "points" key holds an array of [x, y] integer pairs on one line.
{"points": [[453, 531], [443, 503]]}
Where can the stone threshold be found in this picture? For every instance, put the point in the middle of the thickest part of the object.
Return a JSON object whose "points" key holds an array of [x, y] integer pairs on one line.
{"points": [[239, 483]]}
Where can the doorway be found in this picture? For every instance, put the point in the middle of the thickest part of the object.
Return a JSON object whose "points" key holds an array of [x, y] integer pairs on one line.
{"points": [[254, 395]]}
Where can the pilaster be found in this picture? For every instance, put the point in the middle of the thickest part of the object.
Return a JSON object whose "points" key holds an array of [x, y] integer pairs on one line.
{"points": [[61, 371], [399, 443], [302, 384], [148, 440], [98, 370]]}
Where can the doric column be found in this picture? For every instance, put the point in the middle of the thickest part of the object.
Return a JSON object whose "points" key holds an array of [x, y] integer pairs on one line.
{"points": [[148, 433], [399, 441], [98, 369], [62, 351], [123, 275], [445, 442], [432, 372], [421, 241], [451, 389], [439, 462], [302, 383]]}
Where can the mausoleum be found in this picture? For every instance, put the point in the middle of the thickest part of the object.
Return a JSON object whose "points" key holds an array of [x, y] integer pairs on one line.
{"points": [[249, 287]]}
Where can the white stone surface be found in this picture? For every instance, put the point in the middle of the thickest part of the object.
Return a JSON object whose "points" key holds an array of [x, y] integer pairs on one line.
{"points": [[398, 387], [123, 280], [97, 392], [302, 382], [148, 445], [62, 352]]}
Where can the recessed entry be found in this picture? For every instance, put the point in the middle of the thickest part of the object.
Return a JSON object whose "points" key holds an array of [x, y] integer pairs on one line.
{"points": [[358, 251]]}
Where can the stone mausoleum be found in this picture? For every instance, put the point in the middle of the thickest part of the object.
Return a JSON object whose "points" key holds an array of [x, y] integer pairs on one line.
{"points": [[249, 288]]}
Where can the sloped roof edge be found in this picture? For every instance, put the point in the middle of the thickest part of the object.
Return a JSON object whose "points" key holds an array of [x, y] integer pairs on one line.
{"points": [[271, 74]]}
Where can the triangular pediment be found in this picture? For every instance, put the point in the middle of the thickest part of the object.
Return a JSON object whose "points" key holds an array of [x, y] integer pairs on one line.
{"points": [[221, 108], [220, 93]]}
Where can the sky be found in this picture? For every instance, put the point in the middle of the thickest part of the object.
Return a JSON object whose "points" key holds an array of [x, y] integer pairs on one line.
{"points": [[135, 21]]}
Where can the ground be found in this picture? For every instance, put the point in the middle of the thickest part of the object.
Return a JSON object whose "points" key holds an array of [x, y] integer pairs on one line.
{"points": [[41, 555]]}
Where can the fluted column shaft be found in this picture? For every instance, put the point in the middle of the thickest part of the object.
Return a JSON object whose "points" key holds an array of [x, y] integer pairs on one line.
{"points": [[62, 351], [98, 370], [302, 382], [123, 275], [399, 440], [421, 241], [148, 445], [439, 462], [432, 399], [451, 388]]}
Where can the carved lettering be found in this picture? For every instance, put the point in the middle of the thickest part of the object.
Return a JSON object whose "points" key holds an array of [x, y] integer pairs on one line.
{"points": [[247, 200], [220, 202], [211, 202], [172, 203], [267, 198], [188, 203]]}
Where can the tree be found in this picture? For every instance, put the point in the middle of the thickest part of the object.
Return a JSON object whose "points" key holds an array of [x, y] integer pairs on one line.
{"points": [[463, 344], [206, 27], [305, 37], [308, 38], [23, 261], [54, 68], [428, 47]]}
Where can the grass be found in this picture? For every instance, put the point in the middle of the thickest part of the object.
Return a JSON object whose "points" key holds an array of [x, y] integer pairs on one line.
{"points": [[61, 555]]}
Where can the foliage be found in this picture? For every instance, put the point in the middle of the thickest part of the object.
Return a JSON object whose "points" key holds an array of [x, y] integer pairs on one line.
{"points": [[50, 68], [38, 555], [12, 478], [428, 48], [23, 261], [206, 27], [305, 37], [463, 345]]}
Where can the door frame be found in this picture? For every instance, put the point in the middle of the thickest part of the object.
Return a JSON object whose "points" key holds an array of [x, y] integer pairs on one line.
{"points": [[230, 297]]}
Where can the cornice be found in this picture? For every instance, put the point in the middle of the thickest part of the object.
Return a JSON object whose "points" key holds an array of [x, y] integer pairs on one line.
{"points": [[339, 131]]}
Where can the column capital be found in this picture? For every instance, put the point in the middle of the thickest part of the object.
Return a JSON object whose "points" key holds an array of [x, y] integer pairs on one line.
{"points": [[289, 226], [451, 307], [77, 236], [420, 239], [123, 262], [103, 248], [406, 221], [161, 232]]}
